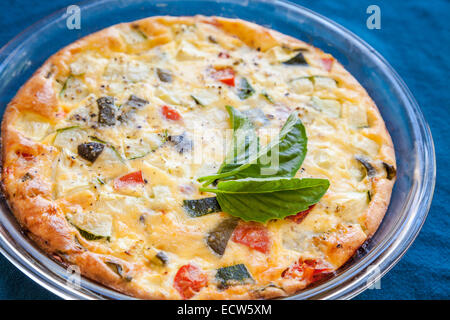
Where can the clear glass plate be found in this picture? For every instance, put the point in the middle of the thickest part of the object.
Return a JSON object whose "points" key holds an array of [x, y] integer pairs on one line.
{"points": [[413, 190]]}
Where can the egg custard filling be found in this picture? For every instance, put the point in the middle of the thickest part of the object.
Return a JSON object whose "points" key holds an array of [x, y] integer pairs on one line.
{"points": [[197, 158]]}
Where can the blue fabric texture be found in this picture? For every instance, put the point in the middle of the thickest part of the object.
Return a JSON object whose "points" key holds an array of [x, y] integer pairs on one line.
{"points": [[415, 38]]}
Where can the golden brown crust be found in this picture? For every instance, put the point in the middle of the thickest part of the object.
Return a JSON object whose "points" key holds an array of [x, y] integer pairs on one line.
{"points": [[31, 200]]}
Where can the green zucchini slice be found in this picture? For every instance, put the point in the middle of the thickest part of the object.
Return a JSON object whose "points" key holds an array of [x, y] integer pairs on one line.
{"points": [[217, 239], [92, 226], [391, 172], [118, 269], [201, 207], [233, 275], [181, 142], [298, 59], [69, 138], [90, 151], [164, 75], [244, 89], [370, 169], [106, 111], [329, 106]]}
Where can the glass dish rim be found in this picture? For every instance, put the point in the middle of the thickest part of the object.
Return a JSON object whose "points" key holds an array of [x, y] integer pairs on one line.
{"points": [[352, 281]]}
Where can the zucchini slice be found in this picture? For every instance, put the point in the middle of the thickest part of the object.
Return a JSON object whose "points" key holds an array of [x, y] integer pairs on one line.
{"points": [[90, 151], [329, 106], [321, 82], [73, 90], [118, 269], [128, 109], [357, 117], [391, 172], [244, 89], [69, 138], [32, 126], [140, 147], [297, 60], [156, 257], [201, 207], [197, 100], [136, 102], [217, 239], [164, 75], [204, 97], [257, 117], [114, 150], [233, 275], [302, 85], [92, 226], [106, 111], [370, 169], [181, 142]]}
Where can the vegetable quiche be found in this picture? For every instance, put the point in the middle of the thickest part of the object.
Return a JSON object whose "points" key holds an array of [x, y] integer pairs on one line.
{"points": [[196, 158]]}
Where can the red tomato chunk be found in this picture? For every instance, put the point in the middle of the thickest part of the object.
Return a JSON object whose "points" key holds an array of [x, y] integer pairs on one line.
{"points": [[253, 236], [298, 218], [327, 63], [170, 113], [189, 280], [309, 270], [225, 75], [129, 180]]}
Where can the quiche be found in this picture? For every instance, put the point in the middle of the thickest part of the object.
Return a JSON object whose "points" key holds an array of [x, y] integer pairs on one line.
{"points": [[196, 158]]}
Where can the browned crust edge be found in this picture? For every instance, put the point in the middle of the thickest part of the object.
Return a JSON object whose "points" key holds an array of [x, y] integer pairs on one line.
{"points": [[31, 201]]}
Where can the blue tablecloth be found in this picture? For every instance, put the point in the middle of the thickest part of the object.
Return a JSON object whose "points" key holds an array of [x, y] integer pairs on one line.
{"points": [[414, 37]]}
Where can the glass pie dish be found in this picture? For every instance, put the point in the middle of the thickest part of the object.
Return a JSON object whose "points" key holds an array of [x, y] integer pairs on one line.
{"points": [[412, 139]]}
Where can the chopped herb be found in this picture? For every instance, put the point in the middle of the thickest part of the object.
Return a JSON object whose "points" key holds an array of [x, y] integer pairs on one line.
{"points": [[64, 87], [66, 128], [267, 97], [197, 101]]}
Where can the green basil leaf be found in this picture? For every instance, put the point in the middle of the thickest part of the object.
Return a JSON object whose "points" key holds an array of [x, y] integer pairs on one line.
{"points": [[270, 198], [244, 141], [282, 157]]}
